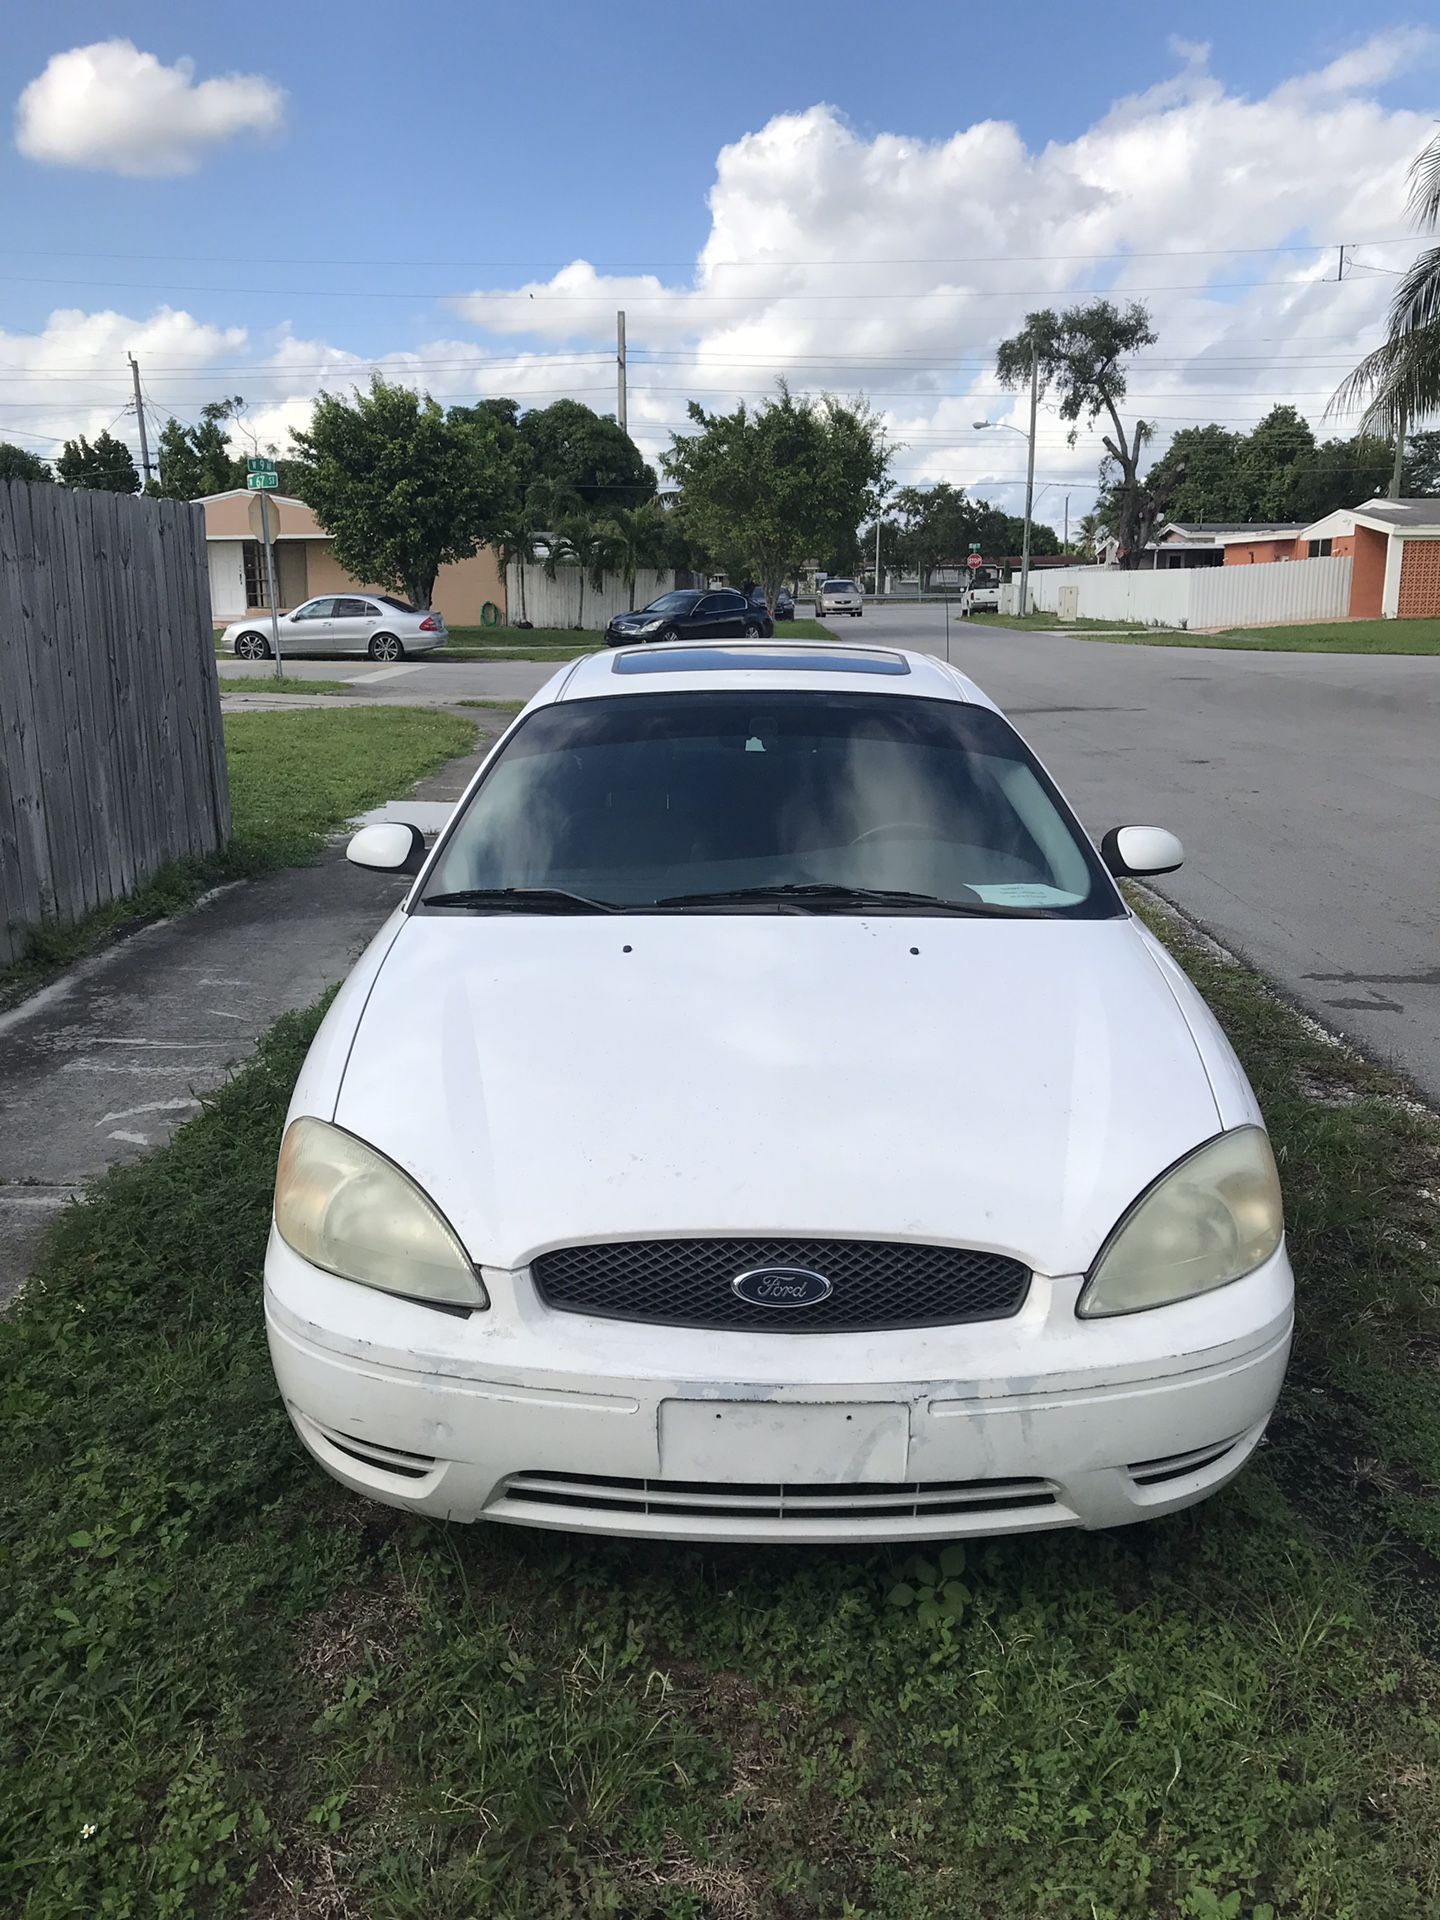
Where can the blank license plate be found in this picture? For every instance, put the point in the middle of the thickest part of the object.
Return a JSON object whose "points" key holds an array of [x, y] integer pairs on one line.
{"points": [[766, 1442]]}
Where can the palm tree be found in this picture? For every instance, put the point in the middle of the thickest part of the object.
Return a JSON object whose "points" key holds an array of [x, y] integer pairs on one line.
{"points": [[586, 544], [515, 545], [639, 537], [1087, 532], [1399, 383]]}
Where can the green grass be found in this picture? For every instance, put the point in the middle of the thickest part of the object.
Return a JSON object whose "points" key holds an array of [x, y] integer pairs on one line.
{"points": [[293, 779], [495, 706], [271, 683], [270, 1699], [1049, 622], [1341, 636]]}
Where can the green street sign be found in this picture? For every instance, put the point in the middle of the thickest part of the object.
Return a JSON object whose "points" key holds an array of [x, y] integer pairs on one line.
{"points": [[260, 463], [262, 480]]}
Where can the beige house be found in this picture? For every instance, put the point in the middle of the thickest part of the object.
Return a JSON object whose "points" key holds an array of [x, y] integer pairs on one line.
{"points": [[306, 565]]}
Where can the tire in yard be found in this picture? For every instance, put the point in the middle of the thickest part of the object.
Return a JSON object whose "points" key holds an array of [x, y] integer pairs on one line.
{"points": [[384, 646], [252, 646]]}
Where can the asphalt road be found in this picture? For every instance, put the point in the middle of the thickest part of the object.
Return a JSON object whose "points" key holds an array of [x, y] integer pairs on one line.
{"points": [[1306, 788]]}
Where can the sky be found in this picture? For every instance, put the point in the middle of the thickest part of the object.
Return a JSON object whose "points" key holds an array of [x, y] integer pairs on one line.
{"points": [[265, 201]]}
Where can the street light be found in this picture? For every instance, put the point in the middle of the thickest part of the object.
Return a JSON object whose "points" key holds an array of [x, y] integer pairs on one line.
{"points": [[1029, 439]]}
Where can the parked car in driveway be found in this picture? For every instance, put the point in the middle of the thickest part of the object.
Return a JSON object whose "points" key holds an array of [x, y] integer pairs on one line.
{"points": [[838, 596], [692, 613], [784, 604], [881, 1178], [376, 624]]}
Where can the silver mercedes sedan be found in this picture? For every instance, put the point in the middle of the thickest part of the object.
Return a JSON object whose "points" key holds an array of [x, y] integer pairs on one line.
{"points": [[372, 623]]}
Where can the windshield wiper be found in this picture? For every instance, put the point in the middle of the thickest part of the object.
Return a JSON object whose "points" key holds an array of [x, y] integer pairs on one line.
{"points": [[818, 895], [521, 900]]}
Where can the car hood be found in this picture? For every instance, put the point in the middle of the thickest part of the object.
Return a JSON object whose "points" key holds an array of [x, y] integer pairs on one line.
{"points": [[627, 622], [1010, 1085]]}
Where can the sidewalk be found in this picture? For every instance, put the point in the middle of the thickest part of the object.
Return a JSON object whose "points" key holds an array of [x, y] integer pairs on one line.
{"points": [[107, 1061]]}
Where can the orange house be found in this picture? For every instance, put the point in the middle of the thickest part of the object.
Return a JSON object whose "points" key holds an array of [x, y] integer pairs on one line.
{"points": [[1394, 546], [305, 563]]}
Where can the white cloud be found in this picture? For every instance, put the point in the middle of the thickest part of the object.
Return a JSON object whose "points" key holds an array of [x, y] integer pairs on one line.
{"points": [[1160, 199], [111, 108]]}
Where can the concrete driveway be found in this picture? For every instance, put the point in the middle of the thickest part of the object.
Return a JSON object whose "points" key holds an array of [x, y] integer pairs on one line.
{"points": [[1306, 788]]}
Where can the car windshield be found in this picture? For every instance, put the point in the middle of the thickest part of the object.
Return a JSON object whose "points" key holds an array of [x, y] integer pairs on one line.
{"points": [[839, 586], [680, 602], [637, 799]]}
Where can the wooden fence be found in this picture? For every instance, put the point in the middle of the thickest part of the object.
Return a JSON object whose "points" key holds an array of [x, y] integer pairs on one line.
{"points": [[112, 760]]}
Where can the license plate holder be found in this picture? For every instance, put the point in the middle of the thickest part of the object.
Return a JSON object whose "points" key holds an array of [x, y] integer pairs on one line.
{"points": [[772, 1442]]}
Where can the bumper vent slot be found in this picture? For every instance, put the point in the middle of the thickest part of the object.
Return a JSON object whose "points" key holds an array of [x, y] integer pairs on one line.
{"points": [[1175, 1466], [596, 1494], [875, 1284], [370, 1453]]}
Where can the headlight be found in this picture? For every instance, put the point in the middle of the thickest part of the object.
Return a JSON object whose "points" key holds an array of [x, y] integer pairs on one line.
{"points": [[344, 1207], [652, 626], [1210, 1220]]}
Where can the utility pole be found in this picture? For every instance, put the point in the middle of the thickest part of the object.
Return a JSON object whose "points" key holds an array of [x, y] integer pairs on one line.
{"points": [[1399, 453], [1066, 548], [140, 416], [620, 371], [1340, 271], [1029, 479], [877, 551]]}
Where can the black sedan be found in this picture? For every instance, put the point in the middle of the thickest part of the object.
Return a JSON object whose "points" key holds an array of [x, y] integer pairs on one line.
{"points": [[784, 604], [692, 614]]}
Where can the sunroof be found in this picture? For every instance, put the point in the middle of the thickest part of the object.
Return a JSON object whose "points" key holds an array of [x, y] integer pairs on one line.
{"points": [[673, 659]]}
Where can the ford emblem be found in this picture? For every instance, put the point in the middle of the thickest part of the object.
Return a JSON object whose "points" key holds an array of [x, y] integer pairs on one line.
{"points": [[781, 1287]]}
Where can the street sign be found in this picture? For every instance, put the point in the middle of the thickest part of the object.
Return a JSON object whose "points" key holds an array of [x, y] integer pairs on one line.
{"points": [[263, 480], [260, 463], [263, 509], [974, 546], [975, 560]]}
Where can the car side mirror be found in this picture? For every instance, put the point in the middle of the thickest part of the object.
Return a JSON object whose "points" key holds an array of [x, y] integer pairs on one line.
{"points": [[1133, 852], [388, 846]]}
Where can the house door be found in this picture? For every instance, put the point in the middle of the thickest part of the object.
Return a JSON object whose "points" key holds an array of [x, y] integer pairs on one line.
{"points": [[227, 580]]}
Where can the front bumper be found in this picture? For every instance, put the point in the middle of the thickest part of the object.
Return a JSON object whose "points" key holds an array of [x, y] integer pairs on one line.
{"points": [[553, 1419]]}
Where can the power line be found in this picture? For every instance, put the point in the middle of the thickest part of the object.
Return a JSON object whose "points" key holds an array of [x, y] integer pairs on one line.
{"points": [[554, 262]]}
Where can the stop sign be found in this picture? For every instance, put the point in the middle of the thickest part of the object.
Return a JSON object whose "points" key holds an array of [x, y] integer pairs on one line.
{"points": [[974, 561]]}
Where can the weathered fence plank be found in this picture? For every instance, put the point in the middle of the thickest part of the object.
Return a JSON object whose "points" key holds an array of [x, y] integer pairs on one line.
{"points": [[112, 759]]}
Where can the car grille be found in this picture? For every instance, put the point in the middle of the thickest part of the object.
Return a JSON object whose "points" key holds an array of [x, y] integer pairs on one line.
{"points": [[597, 1494], [876, 1284]]}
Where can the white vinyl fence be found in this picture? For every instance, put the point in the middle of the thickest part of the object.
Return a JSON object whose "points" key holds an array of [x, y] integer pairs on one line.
{"points": [[1273, 593], [556, 603]]}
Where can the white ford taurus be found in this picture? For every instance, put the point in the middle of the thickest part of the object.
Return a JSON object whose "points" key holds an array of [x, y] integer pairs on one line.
{"points": [[764, 1119]]}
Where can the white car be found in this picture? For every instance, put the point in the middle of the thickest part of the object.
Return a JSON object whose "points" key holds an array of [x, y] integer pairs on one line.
{"points": [[838, 596], [764, 1119], [371, 623]]}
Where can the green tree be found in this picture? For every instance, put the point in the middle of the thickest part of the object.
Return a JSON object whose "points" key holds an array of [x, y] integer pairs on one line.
{"points": [[1421, 472], [515, 542], [1340, 473], [588, 546], [19, 463], [196, 460], [1080, 354], [103, 465], [1204, 462], [1273, 458], [401, 487], [779, 484], [587, 452], [639, 538], [892, 546], [1399, 383]]}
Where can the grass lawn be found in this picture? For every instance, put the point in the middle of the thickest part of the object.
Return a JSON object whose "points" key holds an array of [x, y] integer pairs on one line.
{"points": [[1340, 636], [1049, 622], [271, 683], [233, 1689], [293, 779]]}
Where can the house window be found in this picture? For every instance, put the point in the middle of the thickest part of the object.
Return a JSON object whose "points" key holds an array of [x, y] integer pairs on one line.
{"points": [[255, 595], [1319, 549]]}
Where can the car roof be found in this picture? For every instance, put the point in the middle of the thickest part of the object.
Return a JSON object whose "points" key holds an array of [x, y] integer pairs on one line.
{"points": [[747, 665]]}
